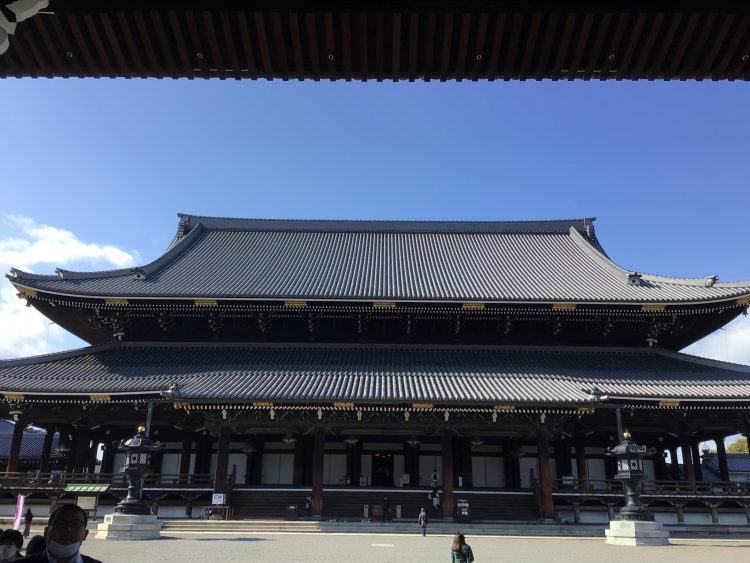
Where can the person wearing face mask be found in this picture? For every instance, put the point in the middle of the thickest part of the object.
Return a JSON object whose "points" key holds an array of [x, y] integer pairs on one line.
{"points": [[11, 542], [64, 534]]}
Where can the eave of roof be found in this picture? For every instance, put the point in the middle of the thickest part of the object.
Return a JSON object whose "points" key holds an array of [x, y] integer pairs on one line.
{"points": [[373, 374], [492, 40]]}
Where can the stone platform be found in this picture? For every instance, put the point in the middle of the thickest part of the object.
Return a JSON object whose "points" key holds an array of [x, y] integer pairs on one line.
{"points": [[633, 533], [128, 527]]}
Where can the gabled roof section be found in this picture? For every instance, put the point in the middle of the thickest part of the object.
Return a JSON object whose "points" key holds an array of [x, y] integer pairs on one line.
{"points": [[304, 373], [431, 261]]}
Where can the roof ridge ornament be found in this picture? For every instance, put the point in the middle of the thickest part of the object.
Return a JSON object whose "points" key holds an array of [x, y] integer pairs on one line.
{"points": [[711, 280], [635, 278]]}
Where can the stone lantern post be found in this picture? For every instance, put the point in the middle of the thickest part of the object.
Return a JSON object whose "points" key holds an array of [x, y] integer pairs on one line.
{"points": [[138, 450], [633, 524], [131, 520]]}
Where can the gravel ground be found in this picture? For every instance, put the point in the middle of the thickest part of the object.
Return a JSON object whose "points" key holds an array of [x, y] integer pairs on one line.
{"points": [[381, 548]]}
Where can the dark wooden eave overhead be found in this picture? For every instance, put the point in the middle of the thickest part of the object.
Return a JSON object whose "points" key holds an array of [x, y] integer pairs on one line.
{"points": [[368, 40]]}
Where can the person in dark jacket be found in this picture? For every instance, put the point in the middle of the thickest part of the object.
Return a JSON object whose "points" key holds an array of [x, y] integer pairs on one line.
{"points": [[11, 542], [423, 521], [460, 550], [28, 518], [35, 545], [64, 534]]}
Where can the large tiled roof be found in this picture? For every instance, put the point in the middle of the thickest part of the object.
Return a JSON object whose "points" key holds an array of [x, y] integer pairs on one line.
{"points": [[378, 374], [533, 261], [737, 463], [32, 442]]}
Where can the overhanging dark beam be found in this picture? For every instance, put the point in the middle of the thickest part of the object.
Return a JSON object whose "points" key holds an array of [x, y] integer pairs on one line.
{"points": [[368, 40]]}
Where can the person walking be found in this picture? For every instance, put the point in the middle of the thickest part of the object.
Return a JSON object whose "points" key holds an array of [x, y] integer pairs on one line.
{"points": [[28, 517], [423, 520], [460, 550]]}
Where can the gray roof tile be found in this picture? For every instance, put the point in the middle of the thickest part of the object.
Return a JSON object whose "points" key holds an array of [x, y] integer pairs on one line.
{"points": [[373, 373], [548, 261]]}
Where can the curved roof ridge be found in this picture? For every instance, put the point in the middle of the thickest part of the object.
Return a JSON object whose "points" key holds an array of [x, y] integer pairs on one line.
{"points": [[53, 356], [701, 360], [595, 252], [174, 251], [188, 222]]}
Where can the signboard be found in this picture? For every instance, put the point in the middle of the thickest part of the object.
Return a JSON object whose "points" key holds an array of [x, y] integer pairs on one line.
{"points": [[87, 503], [219, 498]]}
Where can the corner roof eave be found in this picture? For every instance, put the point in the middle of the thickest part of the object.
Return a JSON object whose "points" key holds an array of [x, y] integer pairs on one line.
{"points": [[28, 284]]}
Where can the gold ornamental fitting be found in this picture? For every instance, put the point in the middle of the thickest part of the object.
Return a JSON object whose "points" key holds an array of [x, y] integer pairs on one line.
{"points": [[141, 429], [626, 435]]}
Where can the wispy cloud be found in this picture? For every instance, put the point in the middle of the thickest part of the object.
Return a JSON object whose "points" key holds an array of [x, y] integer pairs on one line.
{"points": [[36, 247]]}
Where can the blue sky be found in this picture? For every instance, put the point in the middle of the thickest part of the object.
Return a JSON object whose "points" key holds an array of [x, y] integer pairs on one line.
{"points": [[103, 166]]}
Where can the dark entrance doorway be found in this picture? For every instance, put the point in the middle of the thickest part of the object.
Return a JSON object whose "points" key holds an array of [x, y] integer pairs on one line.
{"points": [[382, 470]]}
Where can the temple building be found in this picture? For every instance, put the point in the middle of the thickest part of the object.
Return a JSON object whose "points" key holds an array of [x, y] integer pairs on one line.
{"points": [[350, 361]]}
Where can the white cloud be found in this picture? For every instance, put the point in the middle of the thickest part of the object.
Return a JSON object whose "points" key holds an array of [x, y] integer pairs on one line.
{"points": [[728, 344], [24, 331]]}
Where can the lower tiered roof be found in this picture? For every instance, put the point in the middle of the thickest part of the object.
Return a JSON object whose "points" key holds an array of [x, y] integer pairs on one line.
{"points": [[373, 374]]}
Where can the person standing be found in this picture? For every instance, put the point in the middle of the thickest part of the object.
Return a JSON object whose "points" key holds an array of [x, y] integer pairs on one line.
{"points": [[460, 550], [28, 517], [64, 534], [423, 520], [386, 510]]}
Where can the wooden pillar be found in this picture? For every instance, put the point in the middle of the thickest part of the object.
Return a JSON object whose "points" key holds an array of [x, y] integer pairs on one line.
{"points": [[563, 459], [222, 461], [675, 466], [44, 462], [356, 469], [466, 468], [185, 455], [204, 449], [15, 447], [257, 474], [581, 466], [447, 498], [697, 469], [721, 452], [83, 448], [108, 457], [317, 472], [298, 474], [512, 465], [687, 462], [545, 477], [414, 477]]}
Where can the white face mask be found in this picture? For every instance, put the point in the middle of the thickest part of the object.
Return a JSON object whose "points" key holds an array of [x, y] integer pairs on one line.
{"points": [[8, 552], [62, 550]]}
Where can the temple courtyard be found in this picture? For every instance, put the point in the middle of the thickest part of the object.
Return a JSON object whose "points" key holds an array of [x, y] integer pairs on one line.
{"points": [[382, 548]]}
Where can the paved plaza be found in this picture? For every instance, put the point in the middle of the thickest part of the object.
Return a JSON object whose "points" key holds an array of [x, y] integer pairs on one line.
{"points": [[381, 548]]}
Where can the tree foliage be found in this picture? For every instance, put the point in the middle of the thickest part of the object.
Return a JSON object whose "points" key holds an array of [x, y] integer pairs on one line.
{"points": [[738, 447]]}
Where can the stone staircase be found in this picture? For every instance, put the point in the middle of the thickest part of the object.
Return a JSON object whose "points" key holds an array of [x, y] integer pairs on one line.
{"points": [[249, 527]]}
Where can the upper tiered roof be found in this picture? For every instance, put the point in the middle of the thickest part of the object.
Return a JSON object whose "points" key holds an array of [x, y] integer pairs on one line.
{"points": [[504, 262]]}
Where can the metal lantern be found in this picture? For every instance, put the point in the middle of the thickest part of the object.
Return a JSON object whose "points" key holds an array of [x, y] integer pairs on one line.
{"points": [[629, 457], [138, 450]]}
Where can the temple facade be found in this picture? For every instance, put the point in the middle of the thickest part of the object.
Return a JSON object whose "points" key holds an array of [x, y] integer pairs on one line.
{"points": [[347, 362]]}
